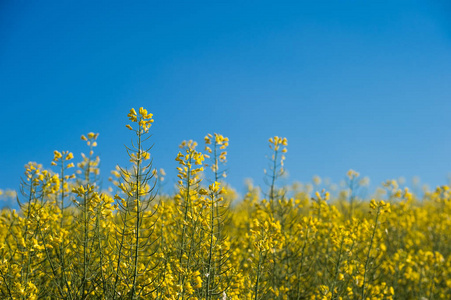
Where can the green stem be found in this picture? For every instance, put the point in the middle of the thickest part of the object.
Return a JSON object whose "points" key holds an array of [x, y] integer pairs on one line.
{"points": [[369, 254]]}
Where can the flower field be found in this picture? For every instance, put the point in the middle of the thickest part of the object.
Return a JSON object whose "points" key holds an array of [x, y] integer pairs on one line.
{"points": [[72, 240]]}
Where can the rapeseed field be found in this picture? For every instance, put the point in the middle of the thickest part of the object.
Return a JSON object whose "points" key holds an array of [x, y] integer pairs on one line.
{"points": [[72, 240]]}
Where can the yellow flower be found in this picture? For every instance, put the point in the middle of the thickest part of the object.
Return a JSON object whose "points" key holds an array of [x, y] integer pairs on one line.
{"points": [[57, 155], [132, 115]]}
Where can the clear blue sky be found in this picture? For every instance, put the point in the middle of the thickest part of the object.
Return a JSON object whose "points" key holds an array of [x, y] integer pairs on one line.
{"points": [[352, 84]]}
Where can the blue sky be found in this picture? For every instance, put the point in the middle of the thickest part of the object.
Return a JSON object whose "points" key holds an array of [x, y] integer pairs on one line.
{"points": [[351, 84]]}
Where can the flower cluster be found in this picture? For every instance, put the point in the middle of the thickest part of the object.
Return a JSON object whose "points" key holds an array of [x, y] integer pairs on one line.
{"points": [[143, 118]]}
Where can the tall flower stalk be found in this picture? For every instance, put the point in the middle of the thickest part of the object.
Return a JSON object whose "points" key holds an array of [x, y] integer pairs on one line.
{"points": [[136, 239]]}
